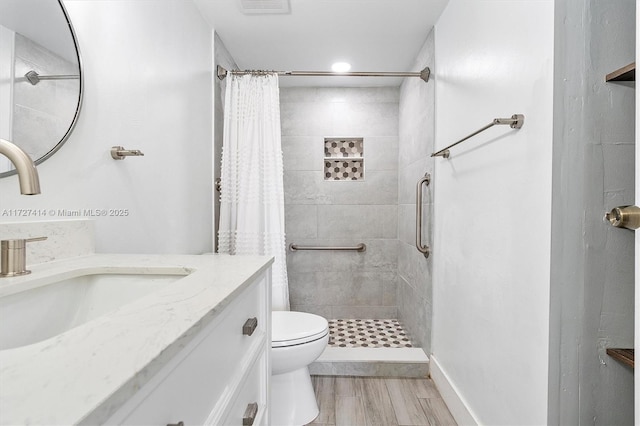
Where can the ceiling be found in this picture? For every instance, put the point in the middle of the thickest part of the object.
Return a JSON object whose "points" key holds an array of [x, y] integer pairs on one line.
{"points": [[372, 35]]}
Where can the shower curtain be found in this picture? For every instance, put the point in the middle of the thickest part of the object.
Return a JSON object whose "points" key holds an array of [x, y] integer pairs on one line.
{"points": [[252, 195]]}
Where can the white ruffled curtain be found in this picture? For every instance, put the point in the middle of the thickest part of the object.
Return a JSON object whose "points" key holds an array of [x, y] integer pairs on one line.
{"points": [[252, 196]]}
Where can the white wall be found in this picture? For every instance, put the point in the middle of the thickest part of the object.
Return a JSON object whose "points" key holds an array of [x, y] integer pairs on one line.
{"points": [[492, 207], [148, 86]]}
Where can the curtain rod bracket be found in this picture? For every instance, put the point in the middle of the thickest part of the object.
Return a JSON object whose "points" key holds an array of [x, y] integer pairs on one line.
{"points": [[425, 73], [221, 72]]}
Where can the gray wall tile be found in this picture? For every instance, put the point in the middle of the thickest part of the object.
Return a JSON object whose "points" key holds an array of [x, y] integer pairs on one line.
{"points": [[408, 177], [390, 291], [303, 153], [407, 223], [322, 310], [306, 118], [364, 312], [343, 213], [339, 94], [382, 153], [365, 119], [301, 222], [416, 143], [345, 288], [357, 221]]}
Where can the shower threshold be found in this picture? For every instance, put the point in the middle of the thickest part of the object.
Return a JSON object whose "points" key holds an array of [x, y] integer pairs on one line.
{"points": [[372, 348]]}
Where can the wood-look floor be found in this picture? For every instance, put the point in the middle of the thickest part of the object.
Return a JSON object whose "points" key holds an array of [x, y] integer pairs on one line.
{"points": [[379, 401]]}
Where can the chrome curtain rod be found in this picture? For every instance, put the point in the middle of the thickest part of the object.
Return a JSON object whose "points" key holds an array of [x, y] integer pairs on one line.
{"points": [[359, 247], [424, 74], [516, 121]]}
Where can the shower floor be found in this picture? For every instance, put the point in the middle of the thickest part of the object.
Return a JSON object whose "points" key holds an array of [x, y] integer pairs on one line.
{"points": [[367, 333]]}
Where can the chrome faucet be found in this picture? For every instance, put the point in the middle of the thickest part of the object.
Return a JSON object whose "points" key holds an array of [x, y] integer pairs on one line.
{"points": [[27, 173], [13, 257]]}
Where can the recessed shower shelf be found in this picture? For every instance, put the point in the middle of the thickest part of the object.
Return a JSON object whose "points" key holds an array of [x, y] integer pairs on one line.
{"points": [[344, 159], [625, 356]]}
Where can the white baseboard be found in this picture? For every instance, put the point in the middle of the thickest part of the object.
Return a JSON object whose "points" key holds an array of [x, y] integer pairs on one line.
{"points": [[450, 395]]}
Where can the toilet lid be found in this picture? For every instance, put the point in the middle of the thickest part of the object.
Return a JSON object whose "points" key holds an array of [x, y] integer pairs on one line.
{"points": [[294, 328]]}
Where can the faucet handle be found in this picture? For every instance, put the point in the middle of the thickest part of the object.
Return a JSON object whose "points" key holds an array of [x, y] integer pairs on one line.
{"points": [[13, 256]]}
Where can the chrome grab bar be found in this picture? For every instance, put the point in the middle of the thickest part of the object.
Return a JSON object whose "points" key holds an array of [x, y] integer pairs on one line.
{"points": [[424, 249], [359, 247]]}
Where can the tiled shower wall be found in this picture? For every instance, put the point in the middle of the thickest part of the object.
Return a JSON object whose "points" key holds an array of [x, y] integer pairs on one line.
{"points": [[416, 142], [51, 104], [338, 284]]}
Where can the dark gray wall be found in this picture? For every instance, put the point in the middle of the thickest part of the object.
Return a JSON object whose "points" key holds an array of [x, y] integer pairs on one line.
{"points": [[592, 277]]}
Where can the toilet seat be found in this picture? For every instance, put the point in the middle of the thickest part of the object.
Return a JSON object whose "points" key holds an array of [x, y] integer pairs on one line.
{"points": [[295, 328]]}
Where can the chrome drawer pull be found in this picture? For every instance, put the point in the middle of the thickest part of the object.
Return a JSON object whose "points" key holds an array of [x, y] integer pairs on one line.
{"points": [[250, 326], [176, 424], [250, 413]]}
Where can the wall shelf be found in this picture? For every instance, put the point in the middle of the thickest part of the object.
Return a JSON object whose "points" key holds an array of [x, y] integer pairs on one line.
{"points": [[625, 356], [627, 73]]}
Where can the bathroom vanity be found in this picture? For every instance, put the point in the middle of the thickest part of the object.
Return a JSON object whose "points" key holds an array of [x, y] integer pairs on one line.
{"points": [[137, 339]]}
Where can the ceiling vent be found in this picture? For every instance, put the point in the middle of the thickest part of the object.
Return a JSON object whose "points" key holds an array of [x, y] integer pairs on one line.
{"points": [[255, 7]]}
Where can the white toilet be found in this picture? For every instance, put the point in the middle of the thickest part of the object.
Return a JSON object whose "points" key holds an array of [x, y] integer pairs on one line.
{"points": [[298, 339]]}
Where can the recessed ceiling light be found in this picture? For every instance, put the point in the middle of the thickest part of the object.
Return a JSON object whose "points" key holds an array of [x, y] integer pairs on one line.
{"points": [[341, 67]]}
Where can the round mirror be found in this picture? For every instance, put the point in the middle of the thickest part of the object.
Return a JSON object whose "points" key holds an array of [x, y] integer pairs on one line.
{"points": [[40, 77]]}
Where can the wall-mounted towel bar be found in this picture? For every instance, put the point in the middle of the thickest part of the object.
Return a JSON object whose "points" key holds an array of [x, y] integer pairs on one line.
{"points": [[359, 247], [516, 121]]}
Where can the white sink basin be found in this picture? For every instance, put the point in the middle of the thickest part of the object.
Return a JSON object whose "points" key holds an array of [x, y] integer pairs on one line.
{"points": [[59, 303]]}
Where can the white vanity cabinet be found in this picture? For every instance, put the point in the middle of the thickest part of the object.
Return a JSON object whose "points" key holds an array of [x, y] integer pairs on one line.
{"points": [[220, 377]]}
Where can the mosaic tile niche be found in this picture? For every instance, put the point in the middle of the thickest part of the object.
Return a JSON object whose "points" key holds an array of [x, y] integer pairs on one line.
{"points": [[343, 159]]}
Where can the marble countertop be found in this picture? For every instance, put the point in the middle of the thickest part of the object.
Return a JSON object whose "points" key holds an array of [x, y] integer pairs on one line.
{"points": [[85, 374]]}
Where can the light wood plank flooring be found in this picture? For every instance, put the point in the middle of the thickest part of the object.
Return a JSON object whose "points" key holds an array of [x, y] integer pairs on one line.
{"points": [[379, 401]]}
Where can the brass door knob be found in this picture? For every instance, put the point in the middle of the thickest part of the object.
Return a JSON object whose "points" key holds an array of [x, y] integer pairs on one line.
{"points": [[624, 217]]}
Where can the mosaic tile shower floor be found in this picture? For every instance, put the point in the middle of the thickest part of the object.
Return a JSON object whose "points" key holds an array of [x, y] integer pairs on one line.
{"points": [[367, 333]]}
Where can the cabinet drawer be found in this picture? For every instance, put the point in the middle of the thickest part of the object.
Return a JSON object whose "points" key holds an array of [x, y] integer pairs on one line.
{"points": [[252, 391], [201, 377]]}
